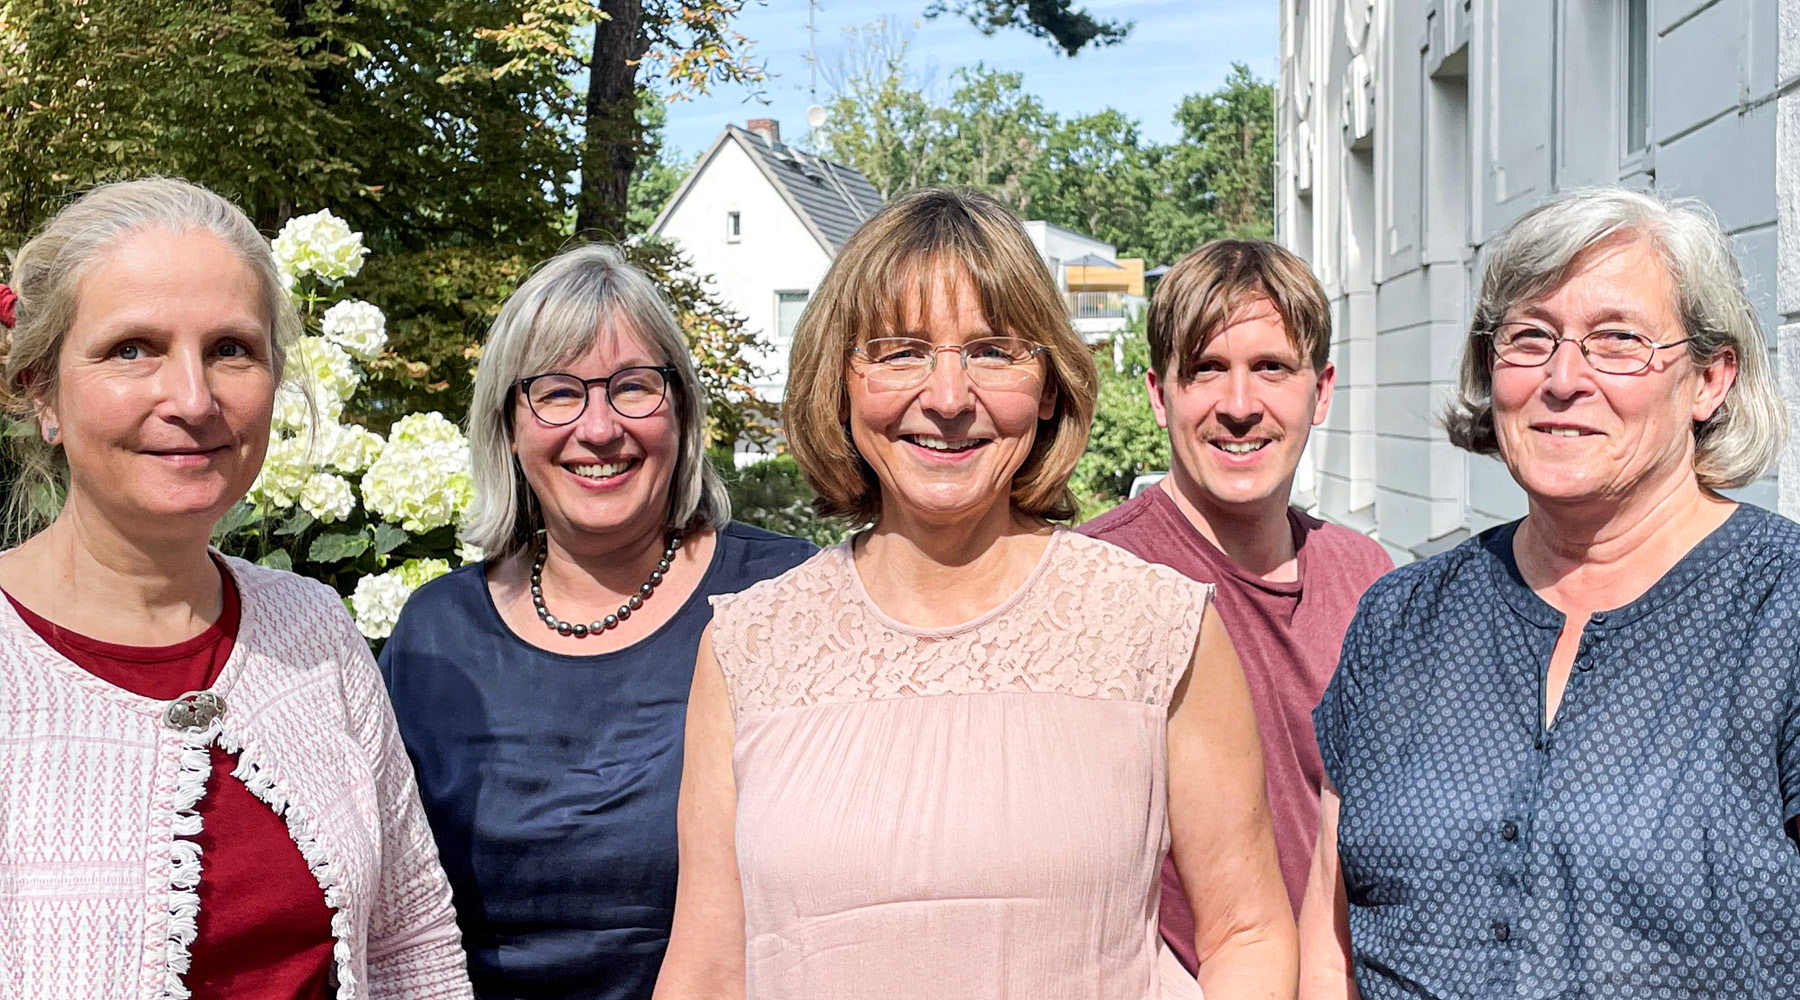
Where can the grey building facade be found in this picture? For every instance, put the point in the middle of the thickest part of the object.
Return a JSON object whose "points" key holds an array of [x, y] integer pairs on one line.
{"points": [[1411, 131]]}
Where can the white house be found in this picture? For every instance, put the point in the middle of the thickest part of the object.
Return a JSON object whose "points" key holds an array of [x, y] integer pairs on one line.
{"points": [[765, 220], [1101, 290], [1411, 131]]}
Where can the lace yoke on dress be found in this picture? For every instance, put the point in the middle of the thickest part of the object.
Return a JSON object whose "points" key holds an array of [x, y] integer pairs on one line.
{"points": [[1091, 621]]}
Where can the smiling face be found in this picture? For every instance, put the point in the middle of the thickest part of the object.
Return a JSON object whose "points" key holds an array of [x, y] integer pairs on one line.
{"points": [[946, 449], [1570, 434], [1238, 425], [604, 477], [165, 384]]}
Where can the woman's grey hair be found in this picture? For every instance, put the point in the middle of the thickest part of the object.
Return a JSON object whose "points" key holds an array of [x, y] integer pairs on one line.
{"points": [[1542, 249], [48, 274], [570, 302]]}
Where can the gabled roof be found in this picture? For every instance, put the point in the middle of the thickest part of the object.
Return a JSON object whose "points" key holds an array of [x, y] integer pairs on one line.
{"points": [[830, 199]]}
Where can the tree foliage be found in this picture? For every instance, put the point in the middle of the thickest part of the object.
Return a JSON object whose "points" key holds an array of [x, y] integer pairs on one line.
{"points": [[448, 132], [1125, 441], [1095, 173], [1059, 22], [374, 108]]}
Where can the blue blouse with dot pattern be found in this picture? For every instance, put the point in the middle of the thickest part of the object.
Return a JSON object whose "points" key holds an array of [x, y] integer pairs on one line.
{"points": [[1637, 847]]}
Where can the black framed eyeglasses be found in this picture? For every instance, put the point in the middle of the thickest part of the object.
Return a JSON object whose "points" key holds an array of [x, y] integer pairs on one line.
{"points": [[1609, 351], [560, 398]]}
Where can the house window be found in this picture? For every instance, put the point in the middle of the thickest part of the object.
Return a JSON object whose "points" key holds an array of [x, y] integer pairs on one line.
{"points": [[788, 307], [734, 227], [1637, 75]]}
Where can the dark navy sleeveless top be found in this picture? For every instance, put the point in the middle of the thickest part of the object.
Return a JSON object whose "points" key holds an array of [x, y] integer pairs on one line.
{"points": [[550, 780]]}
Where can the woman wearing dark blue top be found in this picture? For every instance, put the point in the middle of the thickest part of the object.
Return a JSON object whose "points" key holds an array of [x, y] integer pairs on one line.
{"points": [[1564, 758], [542, 693]]}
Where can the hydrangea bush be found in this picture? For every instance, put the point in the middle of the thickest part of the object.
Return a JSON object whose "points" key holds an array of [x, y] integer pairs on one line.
{"points": [[373, 517]]}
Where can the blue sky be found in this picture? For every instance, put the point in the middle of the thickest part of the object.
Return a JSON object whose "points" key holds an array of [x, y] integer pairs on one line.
{"points": [[1178, 47]]}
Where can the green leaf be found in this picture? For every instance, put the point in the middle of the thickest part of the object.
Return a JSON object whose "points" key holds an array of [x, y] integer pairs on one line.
{"points": [[241, 515], [389, 537], [296, 523], [278, 559], [336, 547]]}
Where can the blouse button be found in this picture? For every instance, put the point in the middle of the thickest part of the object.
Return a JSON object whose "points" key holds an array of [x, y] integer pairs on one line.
{"points": [[1501, 931], [1509, 830]]}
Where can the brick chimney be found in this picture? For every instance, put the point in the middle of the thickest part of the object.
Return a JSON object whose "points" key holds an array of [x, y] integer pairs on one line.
{"points": [[768, 128]]}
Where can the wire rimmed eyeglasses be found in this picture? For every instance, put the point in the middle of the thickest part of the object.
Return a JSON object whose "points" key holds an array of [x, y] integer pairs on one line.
{"points": [[1614, 351], [560, 398], [905, 362]]}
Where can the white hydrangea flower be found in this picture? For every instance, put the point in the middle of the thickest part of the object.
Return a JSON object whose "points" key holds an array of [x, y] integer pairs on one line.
{"points": [[416, 573], [349, 448], [421, 481], [327, 497], [378, 598], [466, 553], [292, 415], [357, 326], [333, 373], [319, 244], [286, 468], [430, 427], [377, 601]]}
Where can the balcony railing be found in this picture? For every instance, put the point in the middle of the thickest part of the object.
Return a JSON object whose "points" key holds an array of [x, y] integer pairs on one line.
{"points": [[1095, 305]]}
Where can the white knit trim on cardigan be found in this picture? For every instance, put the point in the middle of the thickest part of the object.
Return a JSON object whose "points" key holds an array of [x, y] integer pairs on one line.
{"points": [[193, 769], [255, 777]]}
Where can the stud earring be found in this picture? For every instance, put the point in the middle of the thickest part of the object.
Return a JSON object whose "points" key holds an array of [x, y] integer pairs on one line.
{"points": [[50, 434]]}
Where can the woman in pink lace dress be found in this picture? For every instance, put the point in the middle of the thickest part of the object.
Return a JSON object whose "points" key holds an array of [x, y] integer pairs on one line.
{"points": [[945, 759]]}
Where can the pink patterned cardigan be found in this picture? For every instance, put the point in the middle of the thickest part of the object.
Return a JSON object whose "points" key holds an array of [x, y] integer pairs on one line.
{"points": [[98, 789]]}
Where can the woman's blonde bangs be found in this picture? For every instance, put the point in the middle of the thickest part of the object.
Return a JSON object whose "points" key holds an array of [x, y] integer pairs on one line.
{"points": [[894, 261]]}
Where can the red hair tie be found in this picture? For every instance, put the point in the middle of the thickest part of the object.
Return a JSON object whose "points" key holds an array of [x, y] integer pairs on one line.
{"points": [[9, 312]]}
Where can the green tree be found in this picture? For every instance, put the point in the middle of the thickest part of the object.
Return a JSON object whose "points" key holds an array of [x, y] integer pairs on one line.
{"points": [[1056, 21], [688, 47], [657, 175], [879, 119], [1093, 177], [1224, 165], [409, 118], [1125, 441], [993, 134]]}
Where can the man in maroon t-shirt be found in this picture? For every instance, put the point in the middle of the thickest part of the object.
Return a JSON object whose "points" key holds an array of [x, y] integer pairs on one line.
{"points": [[1239, 375]]}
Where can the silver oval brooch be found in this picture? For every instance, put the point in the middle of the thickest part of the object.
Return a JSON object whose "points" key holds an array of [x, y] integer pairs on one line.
{"points": [[194, 711]]}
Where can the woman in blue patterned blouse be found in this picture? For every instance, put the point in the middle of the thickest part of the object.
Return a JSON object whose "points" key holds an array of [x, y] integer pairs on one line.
{"points": [[1564, 758]]}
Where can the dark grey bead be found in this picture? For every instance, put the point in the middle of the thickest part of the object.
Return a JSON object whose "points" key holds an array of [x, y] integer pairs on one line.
{"points": [[595, 627], [644, 591], [612, 620], [635, 603], [655, 578], [662, 567], [624, 613], [564, 628], [580, 631], [537, 591]]}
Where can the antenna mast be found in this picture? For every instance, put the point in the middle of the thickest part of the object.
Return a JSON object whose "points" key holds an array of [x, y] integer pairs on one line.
{"points": [[816, 114], [812, 47]]}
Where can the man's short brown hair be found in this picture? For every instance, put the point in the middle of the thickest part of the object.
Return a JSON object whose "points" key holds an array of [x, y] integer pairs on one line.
{"points": [[1198, 296]]}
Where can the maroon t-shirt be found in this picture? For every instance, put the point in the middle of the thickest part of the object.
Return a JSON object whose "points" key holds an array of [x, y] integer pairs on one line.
{"points": [[1287, 636], [264, 931]]}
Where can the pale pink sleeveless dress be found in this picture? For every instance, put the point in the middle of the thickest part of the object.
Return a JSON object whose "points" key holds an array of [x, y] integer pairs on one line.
{"points": [[968, 812]]}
